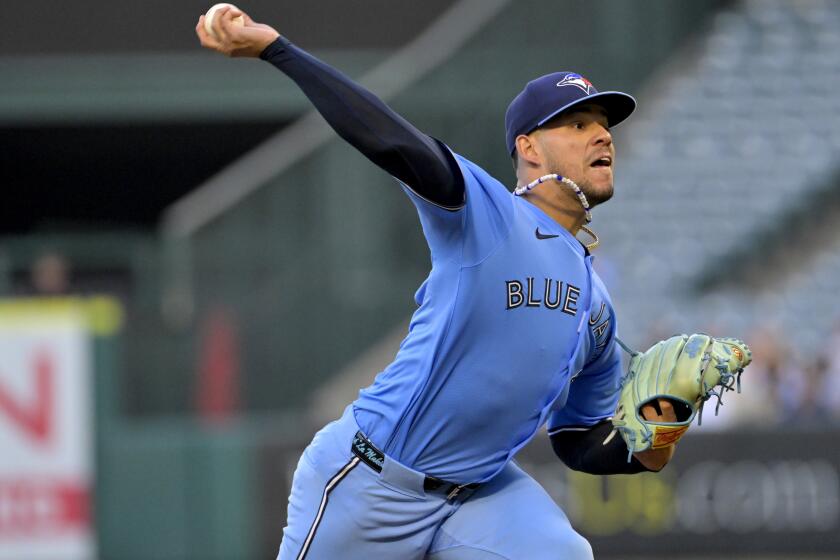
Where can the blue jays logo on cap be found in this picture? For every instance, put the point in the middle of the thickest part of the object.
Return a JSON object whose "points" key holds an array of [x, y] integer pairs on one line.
{"points": [[546, 97], [578, 81]]}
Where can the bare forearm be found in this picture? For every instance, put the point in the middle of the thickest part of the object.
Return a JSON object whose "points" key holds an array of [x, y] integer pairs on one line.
{"points": [[661, 410], [655, 459]]}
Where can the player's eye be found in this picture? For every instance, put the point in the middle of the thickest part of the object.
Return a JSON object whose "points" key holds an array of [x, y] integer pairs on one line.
{"points": [[578, 125]]}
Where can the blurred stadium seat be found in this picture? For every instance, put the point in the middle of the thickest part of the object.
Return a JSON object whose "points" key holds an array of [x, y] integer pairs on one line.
{"points": [[734, 140]]}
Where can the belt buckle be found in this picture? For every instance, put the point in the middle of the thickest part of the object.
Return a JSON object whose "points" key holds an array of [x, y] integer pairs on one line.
{"points": [[455, 491]]}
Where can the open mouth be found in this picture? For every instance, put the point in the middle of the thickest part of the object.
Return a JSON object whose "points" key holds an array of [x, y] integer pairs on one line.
{"points": [[602, 162]]}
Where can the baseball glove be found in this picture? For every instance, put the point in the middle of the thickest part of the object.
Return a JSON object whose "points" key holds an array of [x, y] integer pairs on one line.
{"points": [[686, 370]]}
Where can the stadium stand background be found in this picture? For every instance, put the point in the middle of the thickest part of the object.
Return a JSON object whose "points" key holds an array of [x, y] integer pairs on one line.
{"points": [[247, 331]]}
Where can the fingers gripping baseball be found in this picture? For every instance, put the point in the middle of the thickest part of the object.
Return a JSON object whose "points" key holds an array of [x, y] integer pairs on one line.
{"points": [[667, 385], [245, 39]]}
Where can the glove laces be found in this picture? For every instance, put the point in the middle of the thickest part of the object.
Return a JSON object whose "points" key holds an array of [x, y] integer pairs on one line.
{"points": [[728, 382]]}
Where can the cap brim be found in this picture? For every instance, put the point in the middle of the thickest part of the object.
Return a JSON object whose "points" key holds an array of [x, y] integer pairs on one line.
{"points": [[618, 106]]}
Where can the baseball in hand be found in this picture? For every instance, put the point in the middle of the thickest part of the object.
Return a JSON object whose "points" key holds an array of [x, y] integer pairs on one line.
{"points": [[208, 18]]}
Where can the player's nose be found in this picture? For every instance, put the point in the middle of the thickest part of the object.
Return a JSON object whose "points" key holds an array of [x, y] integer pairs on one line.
{"points": [[602, 136]]}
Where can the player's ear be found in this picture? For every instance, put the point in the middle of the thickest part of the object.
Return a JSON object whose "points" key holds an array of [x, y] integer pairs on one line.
{"points": [[527, 150]]}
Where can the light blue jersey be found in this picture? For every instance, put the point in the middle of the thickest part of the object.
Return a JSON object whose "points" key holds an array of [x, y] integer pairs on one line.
{"points": [[513, 327]]}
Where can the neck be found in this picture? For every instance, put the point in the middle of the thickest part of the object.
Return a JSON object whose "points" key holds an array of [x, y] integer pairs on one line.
{"points": [[560, 203]]}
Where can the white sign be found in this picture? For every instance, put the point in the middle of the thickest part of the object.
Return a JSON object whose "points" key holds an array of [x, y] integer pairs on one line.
{"points": [[46, 433]]}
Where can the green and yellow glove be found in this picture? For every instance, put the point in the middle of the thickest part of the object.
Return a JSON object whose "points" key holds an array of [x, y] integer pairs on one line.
{"points": [[686, 370]]}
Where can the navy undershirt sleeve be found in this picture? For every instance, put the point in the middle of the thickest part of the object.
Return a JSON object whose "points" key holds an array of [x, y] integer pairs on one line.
{"points": [[585, 451], [373, 128]]}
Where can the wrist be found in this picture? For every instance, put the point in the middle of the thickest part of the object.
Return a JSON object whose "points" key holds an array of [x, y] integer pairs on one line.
{"points": [[275, 46], [655, 459]]}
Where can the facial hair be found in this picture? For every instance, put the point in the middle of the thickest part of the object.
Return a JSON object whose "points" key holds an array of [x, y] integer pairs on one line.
{"points": [[593, 195]]}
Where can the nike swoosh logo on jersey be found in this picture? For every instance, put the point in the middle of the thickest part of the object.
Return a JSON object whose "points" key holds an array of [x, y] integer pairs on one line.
{"points": [[544, 235]]}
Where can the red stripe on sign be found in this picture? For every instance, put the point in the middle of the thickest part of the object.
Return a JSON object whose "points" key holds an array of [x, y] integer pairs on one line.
{"points": [[42, 507]]}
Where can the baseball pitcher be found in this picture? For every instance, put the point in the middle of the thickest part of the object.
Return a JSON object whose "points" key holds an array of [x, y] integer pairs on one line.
{"points": [[513, 330]]}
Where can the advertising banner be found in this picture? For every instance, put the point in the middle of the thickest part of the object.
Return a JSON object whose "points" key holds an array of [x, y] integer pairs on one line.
{"points": [[46, 431], [758, 492]]}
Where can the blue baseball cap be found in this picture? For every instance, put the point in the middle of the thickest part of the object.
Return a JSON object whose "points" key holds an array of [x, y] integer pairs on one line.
{"points": [[549, 95]]}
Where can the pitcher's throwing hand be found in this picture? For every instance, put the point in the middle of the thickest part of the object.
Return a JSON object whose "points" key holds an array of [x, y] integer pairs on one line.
{"points": [[230, 39]]}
